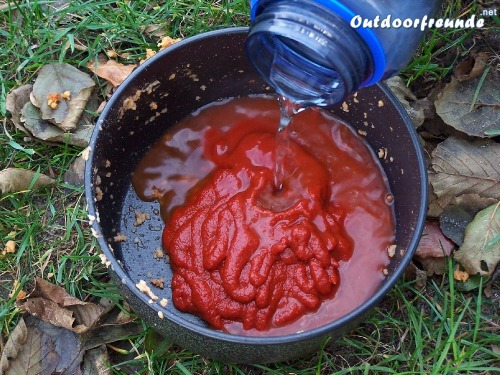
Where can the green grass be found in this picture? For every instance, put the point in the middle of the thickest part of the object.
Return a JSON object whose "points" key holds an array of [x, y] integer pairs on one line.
{"points": [[438, 330], [432, 60]]}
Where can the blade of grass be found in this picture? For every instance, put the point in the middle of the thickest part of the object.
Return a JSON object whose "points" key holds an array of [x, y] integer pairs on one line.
{"points": [[478, 88]]}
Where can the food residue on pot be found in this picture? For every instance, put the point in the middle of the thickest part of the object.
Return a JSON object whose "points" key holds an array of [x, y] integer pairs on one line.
{"points": [[158, 253], [391, 251], [140, 218], [144, 287], [159, 283], [120, 238], [104, 260], [250, 257], [130, 102], [98, 193]]}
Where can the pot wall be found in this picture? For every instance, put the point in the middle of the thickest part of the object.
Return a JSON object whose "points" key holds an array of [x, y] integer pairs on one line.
{"points": [[162, 91]]}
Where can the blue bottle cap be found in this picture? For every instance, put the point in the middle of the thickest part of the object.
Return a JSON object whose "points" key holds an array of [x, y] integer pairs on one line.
{"points": [[366, 34]]}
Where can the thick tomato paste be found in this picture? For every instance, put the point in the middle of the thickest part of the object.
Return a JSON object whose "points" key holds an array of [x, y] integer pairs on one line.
{"points": [[247, 255]]}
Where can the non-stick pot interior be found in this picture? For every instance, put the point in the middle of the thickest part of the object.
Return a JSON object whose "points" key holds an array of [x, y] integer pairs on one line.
{"points": [[177, 82]]}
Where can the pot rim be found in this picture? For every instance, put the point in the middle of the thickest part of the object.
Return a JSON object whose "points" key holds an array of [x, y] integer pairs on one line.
{"points": [[324, 330]]}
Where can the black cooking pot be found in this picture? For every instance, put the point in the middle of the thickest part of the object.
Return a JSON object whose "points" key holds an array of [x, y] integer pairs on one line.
{"points": [[180, 80]]}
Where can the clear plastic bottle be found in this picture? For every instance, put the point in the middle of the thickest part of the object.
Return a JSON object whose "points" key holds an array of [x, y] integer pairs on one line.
{"points": [[309, 52]]}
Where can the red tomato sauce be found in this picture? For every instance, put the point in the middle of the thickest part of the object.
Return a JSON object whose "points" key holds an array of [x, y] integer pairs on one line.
{"points": [[248, 257]]}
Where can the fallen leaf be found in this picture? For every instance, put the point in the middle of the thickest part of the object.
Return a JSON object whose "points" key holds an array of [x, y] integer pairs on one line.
{"points": [[474, 113], [75, 174], [13, 180], [153, 30], [14, 345], [46, 131], [15, 101], [34, 352], [412, 272], [112, 71], [17, 291], [473, 203], [435, 206], [38, 347], [480, 252], [52, 304], [415, 108], [459, 213], [59, 78], [465, 167], [433, 243], [491, 289], [434, 266], [472, 67], [49, 312], [472, 282], [96, 362], [453, 222]]}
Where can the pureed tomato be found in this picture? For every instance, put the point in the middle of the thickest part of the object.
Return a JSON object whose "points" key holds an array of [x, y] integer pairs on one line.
{"points": [[248, 257]]}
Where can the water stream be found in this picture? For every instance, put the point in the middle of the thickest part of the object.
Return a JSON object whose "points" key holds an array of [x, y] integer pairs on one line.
{"points": [[288, 109]]}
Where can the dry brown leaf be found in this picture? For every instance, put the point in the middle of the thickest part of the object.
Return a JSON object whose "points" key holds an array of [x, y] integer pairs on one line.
{"points": [[46, 350], [96, 362], [36, 355], [473, 203], [112, 71], [57, 79], [157, 31], [412, 272], [473, 112], [48, 311], [465, 167], [435, 206], [13, 180], [415, 108], [14, 345], [54, 305], [15, 101], [75, 174], [55, 293], [433, 243], [38, 347], [472, 67], [434, 266], [46, 131]]}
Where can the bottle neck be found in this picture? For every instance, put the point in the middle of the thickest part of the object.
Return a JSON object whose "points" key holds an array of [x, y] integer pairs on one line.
{"points": [[306, 52]]}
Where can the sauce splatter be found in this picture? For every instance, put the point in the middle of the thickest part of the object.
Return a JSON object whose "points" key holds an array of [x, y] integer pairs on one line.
{"points": [[249, 256]]}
